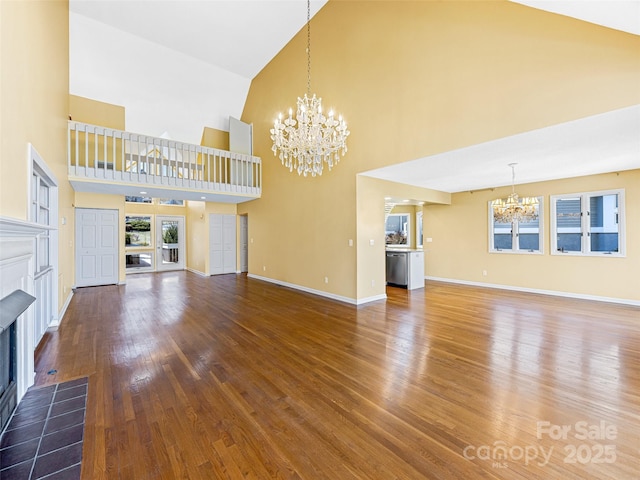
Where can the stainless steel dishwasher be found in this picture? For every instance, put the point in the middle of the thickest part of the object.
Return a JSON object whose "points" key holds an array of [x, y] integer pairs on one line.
{"points": [[397, 269]]}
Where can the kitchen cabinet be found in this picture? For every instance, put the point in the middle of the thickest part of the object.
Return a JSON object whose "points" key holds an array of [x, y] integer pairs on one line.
{"points": [[405, 268]]}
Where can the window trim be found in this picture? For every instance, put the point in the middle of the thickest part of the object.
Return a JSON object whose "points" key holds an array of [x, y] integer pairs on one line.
{"points": [[585, 250], [515, 232]]}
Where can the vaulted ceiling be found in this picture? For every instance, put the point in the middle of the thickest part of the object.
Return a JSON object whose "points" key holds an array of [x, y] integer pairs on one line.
{"points": [[177, 66]]}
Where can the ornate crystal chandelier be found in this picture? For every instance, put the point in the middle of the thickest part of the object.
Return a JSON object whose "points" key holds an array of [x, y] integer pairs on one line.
{"points": [[306, 143], [515, 209]]}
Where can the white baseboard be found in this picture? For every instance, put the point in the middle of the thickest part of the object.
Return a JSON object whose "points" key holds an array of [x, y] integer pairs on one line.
{"points": [[375, 298], [197, 272], [555, 293], [313, 291], [55, 324]]}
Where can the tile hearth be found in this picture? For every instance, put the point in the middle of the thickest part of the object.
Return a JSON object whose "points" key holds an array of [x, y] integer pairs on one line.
{"points": [[44, 436]]}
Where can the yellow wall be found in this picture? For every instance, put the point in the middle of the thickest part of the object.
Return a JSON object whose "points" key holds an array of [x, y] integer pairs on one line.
{"points": [[197, 226], [87, 110], [460, 247], [215, 138], [414, 79], [34, 88]]}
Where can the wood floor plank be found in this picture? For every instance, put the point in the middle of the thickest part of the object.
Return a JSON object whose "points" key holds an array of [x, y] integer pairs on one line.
{"points": [[228, 377]]}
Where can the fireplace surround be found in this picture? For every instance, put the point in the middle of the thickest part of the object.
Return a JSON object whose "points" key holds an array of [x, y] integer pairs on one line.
{"points": [[17, 246], [8, 386], [11, 307]]}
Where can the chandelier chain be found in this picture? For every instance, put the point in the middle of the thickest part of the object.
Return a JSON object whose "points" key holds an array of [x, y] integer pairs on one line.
{"points": [[513, 208], [513, 177], [308, 140], [309, 47]]}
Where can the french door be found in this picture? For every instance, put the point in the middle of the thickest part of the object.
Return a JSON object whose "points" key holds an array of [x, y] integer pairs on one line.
{"points": [[170, 241]]}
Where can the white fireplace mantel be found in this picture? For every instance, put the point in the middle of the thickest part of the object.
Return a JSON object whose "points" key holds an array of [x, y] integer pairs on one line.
{"points": [[13, 227], [17, 247]]}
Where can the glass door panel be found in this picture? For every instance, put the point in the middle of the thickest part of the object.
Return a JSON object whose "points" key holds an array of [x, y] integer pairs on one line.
{"points": [[170, 243]]}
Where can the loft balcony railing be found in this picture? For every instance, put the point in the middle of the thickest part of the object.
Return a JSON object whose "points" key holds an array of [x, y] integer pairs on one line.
{"points": [[108, 156]]}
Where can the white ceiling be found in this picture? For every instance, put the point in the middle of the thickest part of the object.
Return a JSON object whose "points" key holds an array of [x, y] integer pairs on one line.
{"points": [[241, 36], [603, 143]]}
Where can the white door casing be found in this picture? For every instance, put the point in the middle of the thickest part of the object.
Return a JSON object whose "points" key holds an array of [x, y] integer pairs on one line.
{"points": [[216, 243], [244, 243], [43, 201], [229, 236]]}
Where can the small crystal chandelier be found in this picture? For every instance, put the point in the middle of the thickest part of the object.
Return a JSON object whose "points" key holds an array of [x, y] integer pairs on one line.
{"points": [[311, 139], [515, 209]]}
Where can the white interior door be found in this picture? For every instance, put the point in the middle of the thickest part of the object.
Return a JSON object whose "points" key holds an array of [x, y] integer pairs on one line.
{"points": [[222, 244], [229, 258], [96, 247], [170, 242]]}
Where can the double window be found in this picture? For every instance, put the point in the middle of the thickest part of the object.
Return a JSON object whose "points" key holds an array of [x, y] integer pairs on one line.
{"points": [[588, 223], [517, 236]]}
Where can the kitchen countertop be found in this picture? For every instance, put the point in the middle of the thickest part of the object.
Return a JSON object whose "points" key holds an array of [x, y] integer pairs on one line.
{"points": [[403, 249]]}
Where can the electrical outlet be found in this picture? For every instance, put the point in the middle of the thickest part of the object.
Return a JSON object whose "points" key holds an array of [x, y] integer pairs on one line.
{"points": [[326, 279], [264, 268], [484, 273]]}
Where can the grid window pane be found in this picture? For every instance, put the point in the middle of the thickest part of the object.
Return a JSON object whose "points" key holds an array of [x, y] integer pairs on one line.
{"points": [[569, 242], [603, 220], [529, 241], [502, 241], [137, 231], [139, 260], [589, 223]]}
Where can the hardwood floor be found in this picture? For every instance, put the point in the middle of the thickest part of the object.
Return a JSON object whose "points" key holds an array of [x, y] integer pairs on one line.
{"points": [[228, 377]]}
